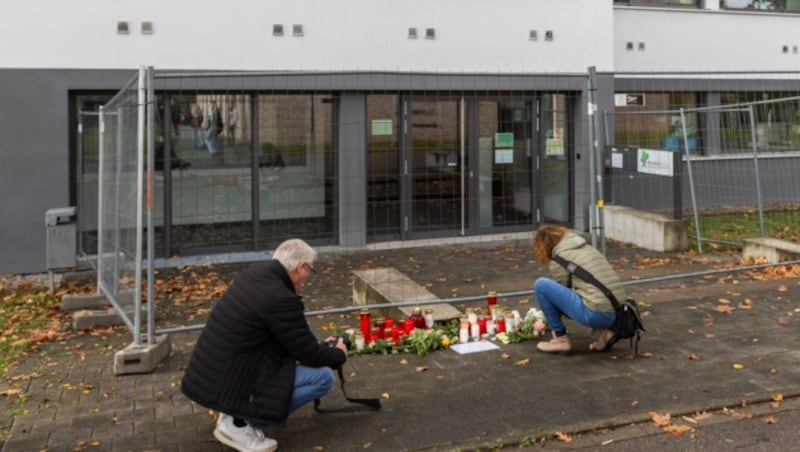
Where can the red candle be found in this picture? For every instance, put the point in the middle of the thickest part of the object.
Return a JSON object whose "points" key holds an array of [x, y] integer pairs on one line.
{"points": [[501, 325], [491, 300], [482, 324], [408, 325], [388, 323], [365, 323], [396, 335]]}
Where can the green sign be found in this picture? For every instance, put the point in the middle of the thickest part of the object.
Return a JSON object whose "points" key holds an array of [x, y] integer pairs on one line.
{"points": [[504, 140], [381, 127]]}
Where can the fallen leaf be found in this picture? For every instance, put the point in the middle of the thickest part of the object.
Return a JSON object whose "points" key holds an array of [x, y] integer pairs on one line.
{"points": [[635, 403], [693, 356], [777, 397], [367, 445], [561, 436], [770, 420], [677, 430], [404, 361], [782, 288], [522, 362], [385, 395], [738, 366], [505, 355], [742, 415], [724, 301], [783, 321], [660, 419], [421, 368], [700, 416], [725, 309]]}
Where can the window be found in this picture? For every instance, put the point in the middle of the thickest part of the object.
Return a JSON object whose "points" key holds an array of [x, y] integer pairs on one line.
{"points": [[695, 3], [763, 5]]}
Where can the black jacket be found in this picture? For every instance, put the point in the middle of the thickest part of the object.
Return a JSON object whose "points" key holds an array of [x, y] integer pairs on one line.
{"points": [[244, 360]]}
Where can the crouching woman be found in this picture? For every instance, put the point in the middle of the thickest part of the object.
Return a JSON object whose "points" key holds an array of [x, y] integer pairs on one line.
{"points": [[565, 295]]}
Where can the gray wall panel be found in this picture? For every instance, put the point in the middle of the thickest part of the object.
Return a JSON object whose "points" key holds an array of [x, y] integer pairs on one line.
{"points": [[34, 156]]}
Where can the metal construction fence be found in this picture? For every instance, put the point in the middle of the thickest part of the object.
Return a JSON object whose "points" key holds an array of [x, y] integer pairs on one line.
{"points": [[195, 164], [124, 131], [738, 145]]}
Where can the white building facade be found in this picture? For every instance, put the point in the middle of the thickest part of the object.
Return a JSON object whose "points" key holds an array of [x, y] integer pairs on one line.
{"points": [[357, 122]]}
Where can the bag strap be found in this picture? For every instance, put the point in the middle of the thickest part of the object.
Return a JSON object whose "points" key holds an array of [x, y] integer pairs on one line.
{"points": [[360, 404], [580, 272]]}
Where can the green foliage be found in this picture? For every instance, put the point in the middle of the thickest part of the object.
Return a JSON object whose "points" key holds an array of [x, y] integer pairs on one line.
{"points": [[734, 227], [24, 322]]}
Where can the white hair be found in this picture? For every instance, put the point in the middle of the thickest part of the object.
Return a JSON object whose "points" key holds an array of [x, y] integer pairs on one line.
{"points": [[294, 252]]}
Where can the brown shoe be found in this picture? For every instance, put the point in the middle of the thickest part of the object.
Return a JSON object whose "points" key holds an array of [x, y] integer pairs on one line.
{"points": [[601, 342], [558, 344]]}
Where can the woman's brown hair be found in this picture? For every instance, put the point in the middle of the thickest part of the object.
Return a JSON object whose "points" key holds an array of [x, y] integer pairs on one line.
{"points": [[546, 238]]}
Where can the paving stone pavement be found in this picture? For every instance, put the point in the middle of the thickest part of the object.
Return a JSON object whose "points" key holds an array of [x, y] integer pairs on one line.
{"points": [[464, 402]]}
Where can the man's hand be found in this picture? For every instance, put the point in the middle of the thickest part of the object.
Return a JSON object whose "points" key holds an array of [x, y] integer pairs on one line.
{"points": [[340, 345]]}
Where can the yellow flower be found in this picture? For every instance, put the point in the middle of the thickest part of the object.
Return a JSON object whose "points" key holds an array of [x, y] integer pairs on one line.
{"points": [[445, 341]]}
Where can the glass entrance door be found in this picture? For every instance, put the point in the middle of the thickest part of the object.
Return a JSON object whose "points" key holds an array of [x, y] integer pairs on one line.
{"points": [[435, 163]]}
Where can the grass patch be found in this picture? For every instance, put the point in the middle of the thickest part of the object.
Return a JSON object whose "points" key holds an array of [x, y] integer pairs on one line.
{"points": [[27, 318], [734, 227]]}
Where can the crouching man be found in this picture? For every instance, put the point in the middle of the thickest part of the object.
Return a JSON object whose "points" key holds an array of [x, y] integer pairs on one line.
{"points": [[257, 360]]}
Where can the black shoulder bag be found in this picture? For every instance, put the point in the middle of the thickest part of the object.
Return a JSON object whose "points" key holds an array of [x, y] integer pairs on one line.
{"points": [[358, 404], [628, 323]]}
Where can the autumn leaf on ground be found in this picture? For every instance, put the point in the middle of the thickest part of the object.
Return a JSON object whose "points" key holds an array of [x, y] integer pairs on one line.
{"points": [[724, 301], [677, 430], [725, 309], [782, 288], [404, 361], [505, 355], [693, 356], [746, 304], [421, 368], [738, 366], [770, 420], [385, 395], [561, 436], [522, 362], [777, 397], [783, 321], [708, 321], [701, 415], [660, 420], [742, 414], [11, 392]]}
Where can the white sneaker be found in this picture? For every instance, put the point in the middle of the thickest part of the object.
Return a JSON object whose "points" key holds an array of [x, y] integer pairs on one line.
{"points": [[243, 439]]}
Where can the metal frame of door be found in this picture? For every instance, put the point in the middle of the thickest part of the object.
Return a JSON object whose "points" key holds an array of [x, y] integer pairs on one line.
{"points": [[408, 174]]}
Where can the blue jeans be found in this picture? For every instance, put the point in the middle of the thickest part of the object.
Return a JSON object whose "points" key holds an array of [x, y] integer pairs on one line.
{"points": [[310, 383], [211, 141], [555, 300]]}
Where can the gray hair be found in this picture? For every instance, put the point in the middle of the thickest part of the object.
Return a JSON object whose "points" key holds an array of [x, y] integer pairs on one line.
{"points": [[294, 252]]}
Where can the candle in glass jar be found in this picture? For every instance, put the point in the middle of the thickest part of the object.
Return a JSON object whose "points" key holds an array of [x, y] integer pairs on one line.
{"points": [[408, 325], [511, 325], [491, 327], [365, 322], [388, 322], [501, 325], [491, 301], [395, 335], [475, 331], [417, 317], [463, 332], [359, 341], [428, 318], [482, 324], [472, 317]]}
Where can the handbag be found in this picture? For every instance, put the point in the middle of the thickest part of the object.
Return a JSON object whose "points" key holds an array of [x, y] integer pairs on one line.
{"points": [[628, 322]]}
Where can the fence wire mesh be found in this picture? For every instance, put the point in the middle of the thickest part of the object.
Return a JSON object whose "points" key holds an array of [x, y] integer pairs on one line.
{"points": [[738, 136], [119, 251]]}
